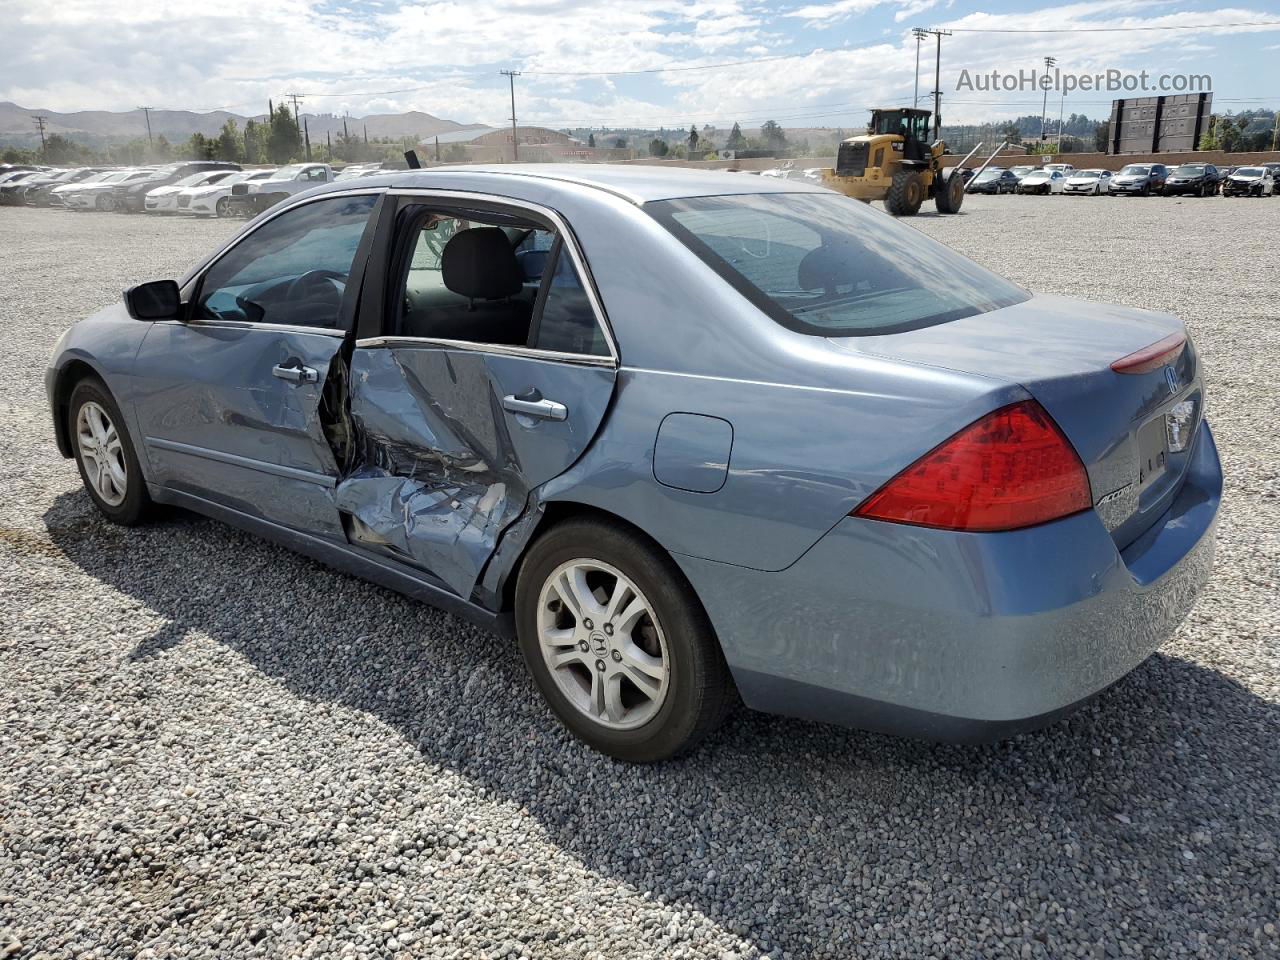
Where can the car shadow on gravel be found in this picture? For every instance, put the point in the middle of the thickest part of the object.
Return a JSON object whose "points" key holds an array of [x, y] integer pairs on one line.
{"points": [[1152, 810]]}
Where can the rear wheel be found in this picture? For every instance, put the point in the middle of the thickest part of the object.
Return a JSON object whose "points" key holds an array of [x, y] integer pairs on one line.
{"points": [[105, 203], [617, 642], [105, 455], [949, 195], [905, 195]]}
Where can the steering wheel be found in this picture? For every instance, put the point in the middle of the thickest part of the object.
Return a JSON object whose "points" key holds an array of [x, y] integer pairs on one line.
{"points": [[310, 278]]}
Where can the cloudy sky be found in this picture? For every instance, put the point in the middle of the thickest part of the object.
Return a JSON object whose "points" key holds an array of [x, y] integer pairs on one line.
{"points": [[443, 56]]}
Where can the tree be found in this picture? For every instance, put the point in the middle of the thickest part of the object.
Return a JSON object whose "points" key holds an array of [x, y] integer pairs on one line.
{"points": [[658, 147], [772, 135], [60, 149], [1101, 134], [620, 143], [230, 144], [736, 140], [285, 140], [693, 138], [200, 147], [591, 140], [256, 136]]}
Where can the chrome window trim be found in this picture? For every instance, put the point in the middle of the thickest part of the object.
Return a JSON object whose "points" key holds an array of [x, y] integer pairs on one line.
{"points": [[471, 346], [575, 253], [250, 325]]}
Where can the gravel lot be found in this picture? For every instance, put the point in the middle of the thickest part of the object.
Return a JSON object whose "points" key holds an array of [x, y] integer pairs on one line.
{"points": [[213, 748]]}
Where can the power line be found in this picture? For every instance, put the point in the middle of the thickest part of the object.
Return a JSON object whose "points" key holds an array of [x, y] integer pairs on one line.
{"points": [[1167, 26]]}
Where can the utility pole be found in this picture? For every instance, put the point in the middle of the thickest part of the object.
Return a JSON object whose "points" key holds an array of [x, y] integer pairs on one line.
{"points": [[295, 97], [937, 75], [515, 147], [1275, 132], [1061, 107], [919, 33], [306, 136], [1048, 62], [40, 120], [146, 112]]}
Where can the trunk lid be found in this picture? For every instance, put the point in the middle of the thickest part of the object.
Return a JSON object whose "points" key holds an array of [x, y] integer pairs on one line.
{"points": [[1061, 350]]}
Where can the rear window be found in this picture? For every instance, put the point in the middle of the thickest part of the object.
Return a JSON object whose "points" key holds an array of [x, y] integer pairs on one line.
{"points": [[829, 266]]}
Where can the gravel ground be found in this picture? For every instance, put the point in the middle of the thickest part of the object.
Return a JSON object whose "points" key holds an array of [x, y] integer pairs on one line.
{"points": [[213, 748]]}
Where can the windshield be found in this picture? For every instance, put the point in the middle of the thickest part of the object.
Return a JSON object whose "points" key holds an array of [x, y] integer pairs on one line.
{"points": [[1249, 172], [1135, 170], [827, 265], [1022, 171], [1189, 170], [1086, 174], [192, 180], [990, 174], [287, 173]]}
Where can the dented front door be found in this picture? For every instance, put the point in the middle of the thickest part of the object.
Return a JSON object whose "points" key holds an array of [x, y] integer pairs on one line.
{"points": [[451, 440]]}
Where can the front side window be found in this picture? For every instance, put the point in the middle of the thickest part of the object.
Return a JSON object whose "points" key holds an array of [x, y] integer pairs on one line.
{"points": [[292, 270], [824, 264]]}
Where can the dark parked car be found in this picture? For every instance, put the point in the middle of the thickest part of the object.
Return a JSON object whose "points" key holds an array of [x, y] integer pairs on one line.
{"points": [[132, 197], [681, 432], [995, 180], [1196, 179], [1141, 179], [35, 190]]}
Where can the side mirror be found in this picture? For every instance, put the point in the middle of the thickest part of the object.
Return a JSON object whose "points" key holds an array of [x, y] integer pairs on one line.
{"points": [[157, 300]]}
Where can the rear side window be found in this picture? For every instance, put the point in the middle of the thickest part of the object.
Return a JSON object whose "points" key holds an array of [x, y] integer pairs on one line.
{"points": [[826, 265]]}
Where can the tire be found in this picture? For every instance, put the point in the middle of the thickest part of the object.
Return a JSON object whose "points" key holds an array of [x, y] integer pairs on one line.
{"points": [[105, 204], [223, 207], [948, 196], [133, 507], [670, 645], [905, 195]]}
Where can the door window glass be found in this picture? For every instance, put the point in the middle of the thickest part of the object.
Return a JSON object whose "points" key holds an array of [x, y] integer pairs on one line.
{"points": [[292, 270]]}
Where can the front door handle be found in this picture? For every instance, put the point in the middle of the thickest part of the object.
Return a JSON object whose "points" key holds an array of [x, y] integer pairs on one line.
{"points": [[296, 373], [542, 409]]}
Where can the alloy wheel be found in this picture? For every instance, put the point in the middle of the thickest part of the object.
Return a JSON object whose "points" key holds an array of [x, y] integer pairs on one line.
{"points": [[603, 644], [102, 453]]}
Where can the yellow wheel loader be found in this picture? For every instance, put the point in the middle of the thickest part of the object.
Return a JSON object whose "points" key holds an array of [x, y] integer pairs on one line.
{"points": [[894, 162]]}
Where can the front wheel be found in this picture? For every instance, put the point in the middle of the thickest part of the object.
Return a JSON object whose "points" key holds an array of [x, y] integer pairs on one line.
{"points": [[948, 195], [105, 455], [905, 195], [617, 642], [223, 207]]}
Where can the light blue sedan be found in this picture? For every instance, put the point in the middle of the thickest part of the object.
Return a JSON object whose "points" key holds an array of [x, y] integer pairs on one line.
{"points": [[679, 433]]}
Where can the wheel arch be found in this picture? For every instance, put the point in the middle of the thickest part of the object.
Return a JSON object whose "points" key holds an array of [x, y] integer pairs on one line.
{"points": [[69, 374], [554, 513]]}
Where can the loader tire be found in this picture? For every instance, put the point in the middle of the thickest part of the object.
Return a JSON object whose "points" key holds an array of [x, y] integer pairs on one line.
{"points": [[949, 194], [905, 195]]}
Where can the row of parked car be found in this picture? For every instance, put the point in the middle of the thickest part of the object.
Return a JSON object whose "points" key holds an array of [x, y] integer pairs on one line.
{"points": [[1135, 179], [210, 188]]}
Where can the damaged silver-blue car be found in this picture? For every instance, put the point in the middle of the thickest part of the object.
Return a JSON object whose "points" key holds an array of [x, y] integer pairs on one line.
{"points": [[679, 433]]}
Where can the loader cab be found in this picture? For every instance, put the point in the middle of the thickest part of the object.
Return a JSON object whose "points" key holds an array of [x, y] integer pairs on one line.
{"points": [[906, 122]]}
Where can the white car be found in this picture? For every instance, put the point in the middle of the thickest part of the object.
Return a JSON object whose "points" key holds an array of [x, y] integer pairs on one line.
{"points": [[98, 195], [1066, 169], [165, 199], [1088, 183], [354, 171], [256, 196], [213, 199], [1043, 180]]}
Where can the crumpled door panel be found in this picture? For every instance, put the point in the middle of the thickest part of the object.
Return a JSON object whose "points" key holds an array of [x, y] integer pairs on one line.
{"points": [[441, 469]]}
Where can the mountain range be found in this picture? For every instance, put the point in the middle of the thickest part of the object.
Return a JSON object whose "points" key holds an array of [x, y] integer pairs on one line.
{"points": [[18, 128]]}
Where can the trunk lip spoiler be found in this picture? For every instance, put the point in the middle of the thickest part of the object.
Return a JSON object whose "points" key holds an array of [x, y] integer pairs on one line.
{"points": [[1153, 356]]}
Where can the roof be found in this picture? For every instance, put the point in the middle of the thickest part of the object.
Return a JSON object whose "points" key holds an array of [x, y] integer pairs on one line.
{"points": [[639, 183]]}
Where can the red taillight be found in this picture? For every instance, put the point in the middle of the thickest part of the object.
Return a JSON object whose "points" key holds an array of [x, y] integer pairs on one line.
{"points": [[1013, 468], [1153, 357]]}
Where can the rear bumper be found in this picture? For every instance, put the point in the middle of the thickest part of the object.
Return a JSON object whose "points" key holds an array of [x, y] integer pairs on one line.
{"points": [[961, 637]]}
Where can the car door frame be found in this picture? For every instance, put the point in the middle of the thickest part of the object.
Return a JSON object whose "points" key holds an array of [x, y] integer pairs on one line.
{"points": [[371, 331]]}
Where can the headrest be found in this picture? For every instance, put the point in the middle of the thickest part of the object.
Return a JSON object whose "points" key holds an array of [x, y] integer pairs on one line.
{"points": [[479, 263], [824, 267]]}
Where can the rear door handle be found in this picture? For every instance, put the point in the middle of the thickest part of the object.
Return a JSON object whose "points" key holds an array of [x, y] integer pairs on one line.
{"points": [[542, 409], [296, 373]]}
